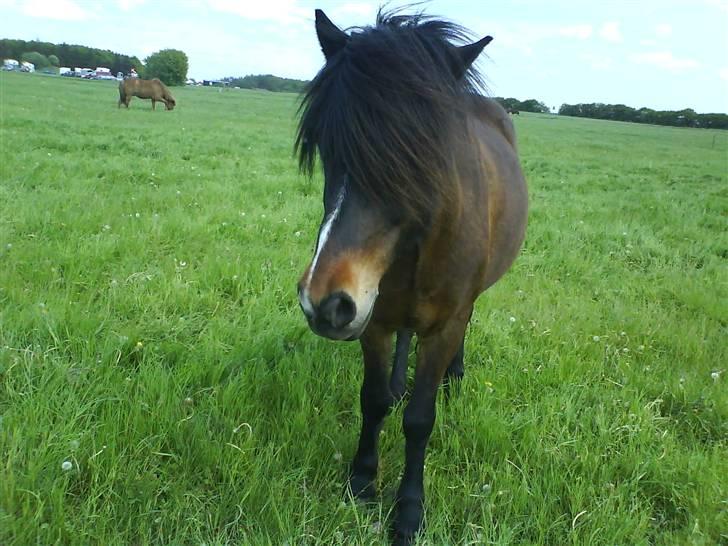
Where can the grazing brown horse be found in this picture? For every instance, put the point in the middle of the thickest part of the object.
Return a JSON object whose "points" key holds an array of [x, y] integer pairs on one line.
{"points": [[424, 208], [145, 89]]}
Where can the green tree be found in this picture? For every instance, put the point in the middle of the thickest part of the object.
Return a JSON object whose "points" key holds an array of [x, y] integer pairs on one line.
{"points": [[38, 59], [169, 65], [54, 60]]}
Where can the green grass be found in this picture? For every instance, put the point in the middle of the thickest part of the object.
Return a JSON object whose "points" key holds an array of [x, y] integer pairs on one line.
{"points": [[150, 335]]}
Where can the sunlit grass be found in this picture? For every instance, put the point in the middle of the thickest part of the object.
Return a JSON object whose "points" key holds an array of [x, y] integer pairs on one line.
{"points": [[158, 383]]}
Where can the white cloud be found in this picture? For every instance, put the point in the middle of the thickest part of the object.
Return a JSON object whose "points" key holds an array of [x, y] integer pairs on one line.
{"points": [[279, 11], [648, 43], [128, 5], [663, 30], [720, 4], [723, 73], [610, 32], [63, 10], [576, 31], [597, 62], [364, 10], [665, 60]]}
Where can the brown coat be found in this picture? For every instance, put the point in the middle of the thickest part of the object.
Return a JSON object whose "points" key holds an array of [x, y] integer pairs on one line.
{"points": [[145, 89]]}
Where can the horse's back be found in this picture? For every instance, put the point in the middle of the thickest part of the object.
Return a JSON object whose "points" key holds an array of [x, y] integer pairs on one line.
{"points": [[491, 112], [505, 197]]}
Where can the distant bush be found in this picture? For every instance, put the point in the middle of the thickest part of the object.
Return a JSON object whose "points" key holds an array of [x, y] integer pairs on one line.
{"points": [[619, 112], [268, 82], [169, 65], [38, 59], [54, 60], [530, 105]]}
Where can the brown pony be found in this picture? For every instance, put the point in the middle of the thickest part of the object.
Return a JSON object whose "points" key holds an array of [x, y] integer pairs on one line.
{"points": [[145, 89], [424, 208]]}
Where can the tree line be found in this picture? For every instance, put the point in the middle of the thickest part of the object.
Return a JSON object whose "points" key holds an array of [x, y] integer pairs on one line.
{"points": [[529, 105], [267, 82], [619, 112], [70, 55]]}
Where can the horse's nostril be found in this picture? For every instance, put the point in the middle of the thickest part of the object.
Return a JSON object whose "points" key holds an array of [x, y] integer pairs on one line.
{"points": [[337, 310]]}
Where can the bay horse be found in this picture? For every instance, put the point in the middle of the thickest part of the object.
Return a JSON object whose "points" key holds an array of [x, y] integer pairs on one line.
{"points": [[425, 207]]}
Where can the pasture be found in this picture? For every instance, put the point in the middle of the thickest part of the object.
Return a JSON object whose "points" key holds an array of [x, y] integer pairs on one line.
{"points": [[159, 385]]}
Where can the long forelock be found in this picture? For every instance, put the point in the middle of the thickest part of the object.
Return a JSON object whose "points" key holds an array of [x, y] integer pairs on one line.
{"points": [[385, 109]]}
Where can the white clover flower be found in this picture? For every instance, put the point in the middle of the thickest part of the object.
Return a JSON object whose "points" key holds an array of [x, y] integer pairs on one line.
{"points": [[596, 338], [337, 457], [715, 376], [66, 465], [512, 319]]}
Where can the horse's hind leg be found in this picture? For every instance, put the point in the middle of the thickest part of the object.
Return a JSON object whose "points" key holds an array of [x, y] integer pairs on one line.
{"points": [[456, 369], [376, 401], [398, 381]]}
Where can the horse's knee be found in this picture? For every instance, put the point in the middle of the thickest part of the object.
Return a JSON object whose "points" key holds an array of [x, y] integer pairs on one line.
{"points": [[375, 404], [417, 423]]}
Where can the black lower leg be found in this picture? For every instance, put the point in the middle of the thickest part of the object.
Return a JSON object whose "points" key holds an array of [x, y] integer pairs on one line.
{"points": [[376, 401], [419, 418], [398, 381]]}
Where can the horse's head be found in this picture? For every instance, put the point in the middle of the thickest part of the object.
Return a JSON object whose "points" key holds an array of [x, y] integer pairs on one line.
{"points": [[377, 129], [354, 248], [170, 103]]}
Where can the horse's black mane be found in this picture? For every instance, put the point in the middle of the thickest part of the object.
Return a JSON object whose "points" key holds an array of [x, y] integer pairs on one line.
{"points": [[383, 109]]}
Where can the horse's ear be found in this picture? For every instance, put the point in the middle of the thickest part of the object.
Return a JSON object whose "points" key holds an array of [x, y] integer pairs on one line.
{"points": [[331, 37], [467, 54]]}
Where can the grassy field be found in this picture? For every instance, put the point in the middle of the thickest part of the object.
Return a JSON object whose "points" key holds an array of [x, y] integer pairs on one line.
{"points": [[158, 384]]}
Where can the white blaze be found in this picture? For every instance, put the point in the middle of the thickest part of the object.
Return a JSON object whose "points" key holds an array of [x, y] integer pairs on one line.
{"points": [[323, 237]]}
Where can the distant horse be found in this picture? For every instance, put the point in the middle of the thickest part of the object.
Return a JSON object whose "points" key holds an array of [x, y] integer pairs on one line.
{"points": [[514, 112], [145, 89], [424, 208]]}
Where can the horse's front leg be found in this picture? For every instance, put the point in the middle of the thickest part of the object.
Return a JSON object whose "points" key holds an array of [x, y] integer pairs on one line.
{"points": [[376, 401], [435, 353]]}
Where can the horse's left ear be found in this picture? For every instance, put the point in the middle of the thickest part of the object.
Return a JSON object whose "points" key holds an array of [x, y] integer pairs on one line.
{"points": [[331, 37], [467, 54]]}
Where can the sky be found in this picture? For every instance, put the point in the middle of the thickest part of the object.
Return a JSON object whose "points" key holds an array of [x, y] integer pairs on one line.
{"points": [[663, 54]]}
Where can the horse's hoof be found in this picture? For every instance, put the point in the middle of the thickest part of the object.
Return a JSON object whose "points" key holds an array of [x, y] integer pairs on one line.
{"points": [[401, 540], [408, 522], [362, 487]]}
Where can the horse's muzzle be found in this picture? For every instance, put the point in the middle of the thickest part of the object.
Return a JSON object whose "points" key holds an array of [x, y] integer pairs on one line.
{"points": [[334, 317]]}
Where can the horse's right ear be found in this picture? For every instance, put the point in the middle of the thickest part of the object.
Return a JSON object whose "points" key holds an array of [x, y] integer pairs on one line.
{"points": [[467, 54], [331, 37]]}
